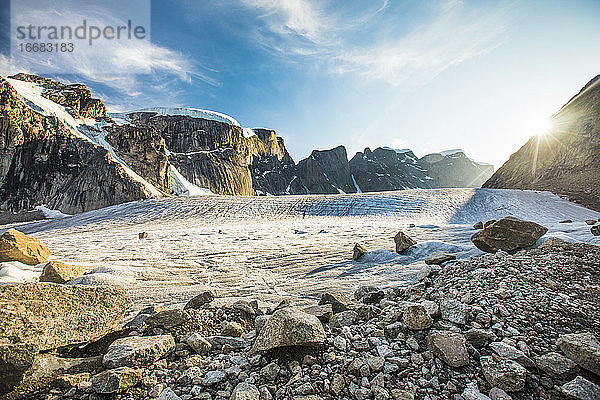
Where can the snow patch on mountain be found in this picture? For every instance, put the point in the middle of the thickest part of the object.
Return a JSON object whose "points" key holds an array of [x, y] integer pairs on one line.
{"points": [[192, 112], [183, 187]]}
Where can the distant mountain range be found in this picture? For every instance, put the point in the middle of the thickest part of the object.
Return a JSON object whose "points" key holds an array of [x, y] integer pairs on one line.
{"points": [[59, 147], [565, 160]]}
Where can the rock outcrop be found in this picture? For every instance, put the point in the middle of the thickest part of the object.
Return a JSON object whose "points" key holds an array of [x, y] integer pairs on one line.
{"points": [[326, 172], [566, 159]]}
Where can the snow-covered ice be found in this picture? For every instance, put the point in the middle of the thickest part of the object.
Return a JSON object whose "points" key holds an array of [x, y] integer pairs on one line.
{"points": [[275, 246]]}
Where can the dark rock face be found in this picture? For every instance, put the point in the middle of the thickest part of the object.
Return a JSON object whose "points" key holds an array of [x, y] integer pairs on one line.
{"points": [[455, 170], [386, 169], [566, 160], [326, 172], [42, 162]]}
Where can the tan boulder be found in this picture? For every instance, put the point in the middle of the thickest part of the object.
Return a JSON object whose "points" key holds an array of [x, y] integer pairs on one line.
{"points": [[59, 272], [50, 315], [15, 246]]}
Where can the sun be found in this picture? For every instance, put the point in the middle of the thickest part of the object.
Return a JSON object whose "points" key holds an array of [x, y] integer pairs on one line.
{"points": [[542, 127]]}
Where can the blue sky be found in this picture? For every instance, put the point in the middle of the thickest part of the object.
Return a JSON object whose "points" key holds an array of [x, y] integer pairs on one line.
{"points": [[427, 75]]}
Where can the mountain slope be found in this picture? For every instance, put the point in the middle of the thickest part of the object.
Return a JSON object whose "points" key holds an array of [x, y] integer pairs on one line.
{"points": [[566, 160]]}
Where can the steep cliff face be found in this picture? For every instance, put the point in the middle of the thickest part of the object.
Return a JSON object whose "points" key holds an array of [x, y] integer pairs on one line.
{"points": [[454, 169], [385, 169], [566, 160], [326, 172], [42, 161]]}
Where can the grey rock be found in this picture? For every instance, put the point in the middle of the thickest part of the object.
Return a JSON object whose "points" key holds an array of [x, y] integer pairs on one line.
{"points": [[478, 337], [506, 374], [168, 394], [499, 394], [581, 389], [439, 257], [289, 326], [358, 251], [450, 347], [138, 350], [512, 353], [245, 391], [345, 318], [454, 311], [213, 377], [556, 365], [472, 392], [198, 343], [583, 348], [168, 319]]}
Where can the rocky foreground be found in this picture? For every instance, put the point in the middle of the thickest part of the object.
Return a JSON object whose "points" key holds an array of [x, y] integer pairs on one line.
{"points": [[499, 326]]}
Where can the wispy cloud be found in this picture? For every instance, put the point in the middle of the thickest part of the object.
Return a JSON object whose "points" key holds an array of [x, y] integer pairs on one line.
{"points": [[451, 33], [124, 65]]}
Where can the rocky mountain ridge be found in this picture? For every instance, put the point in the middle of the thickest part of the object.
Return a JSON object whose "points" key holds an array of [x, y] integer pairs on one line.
{"points": [[62, 149], [566, 159]]}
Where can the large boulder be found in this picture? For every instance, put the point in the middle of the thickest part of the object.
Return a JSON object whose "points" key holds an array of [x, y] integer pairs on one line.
{"points": [[289, 326], [583, 348], [59, 272], [450, 347], [508, 234], [15, 246], [358, 251], [50, 315], [133, 351], [403, 242], [506, 374]]}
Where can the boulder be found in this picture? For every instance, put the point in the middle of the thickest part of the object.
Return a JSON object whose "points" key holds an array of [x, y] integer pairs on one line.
{"points": [[450, 347], [508, 234], [478, 225], [245, 391], [345, 318], [439, 257], [168, 319], [232, 328], [198, 343], [472, 392], [416, 318], [339, 302], [200, 300], [323, 312], [581, 389], [590, 221], [512, 353], [478, 338], [358, 251], [15, 246], [595, 230], [143, 235], [454, 311], [59, 272], [506, 374], [556, 365], [403, 242], [133, 351], [50, 315], [289, 326], [116, 380], [583, 348]]}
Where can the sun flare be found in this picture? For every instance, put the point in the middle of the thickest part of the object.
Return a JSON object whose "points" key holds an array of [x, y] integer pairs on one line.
{"points": [[542, 127]]}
